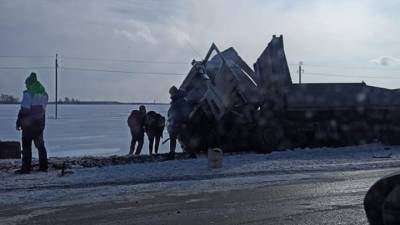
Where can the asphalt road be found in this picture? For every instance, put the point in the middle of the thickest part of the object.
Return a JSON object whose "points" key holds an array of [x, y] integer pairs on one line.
{"points": [[336, 199]]}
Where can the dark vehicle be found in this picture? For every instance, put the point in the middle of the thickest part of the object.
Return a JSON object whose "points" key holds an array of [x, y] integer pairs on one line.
{"points": [[382, 201], [238, 108]]}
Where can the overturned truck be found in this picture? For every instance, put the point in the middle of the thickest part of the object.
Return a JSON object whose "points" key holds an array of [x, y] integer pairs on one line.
{"points": [[237, 108]]}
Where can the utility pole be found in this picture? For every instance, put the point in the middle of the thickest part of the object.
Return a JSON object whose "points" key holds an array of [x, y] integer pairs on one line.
{"points": [[300, 71], [56, 100]]}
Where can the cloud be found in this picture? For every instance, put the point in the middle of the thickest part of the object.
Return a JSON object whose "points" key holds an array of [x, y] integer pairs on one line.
{"points": [[326, 32], [181, 37], [386, 61], [138, 31]]}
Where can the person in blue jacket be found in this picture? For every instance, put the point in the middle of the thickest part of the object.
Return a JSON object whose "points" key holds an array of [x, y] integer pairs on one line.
{"points": [[31, 119]]}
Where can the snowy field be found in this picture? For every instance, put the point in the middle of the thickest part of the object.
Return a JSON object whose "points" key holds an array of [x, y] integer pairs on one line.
{"points": [[83, 129], [239, 170]]}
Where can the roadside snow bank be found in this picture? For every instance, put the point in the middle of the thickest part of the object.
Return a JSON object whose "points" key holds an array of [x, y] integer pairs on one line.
{"points": [[138, 179], [304, 160]]}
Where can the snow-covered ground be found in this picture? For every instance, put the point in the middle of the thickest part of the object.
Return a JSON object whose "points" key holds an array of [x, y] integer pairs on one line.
{"points": [[83, 129], [115, 182]]}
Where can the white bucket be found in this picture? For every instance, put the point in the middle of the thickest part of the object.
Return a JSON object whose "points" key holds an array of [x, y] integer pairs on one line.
{"points": [[215, 157]]}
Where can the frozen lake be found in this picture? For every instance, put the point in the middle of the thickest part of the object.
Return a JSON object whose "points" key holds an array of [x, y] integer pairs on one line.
{"points": [[83, 129]]}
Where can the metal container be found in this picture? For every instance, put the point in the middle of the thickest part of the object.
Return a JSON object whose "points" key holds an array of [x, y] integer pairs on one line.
{"points": [[215, 158]]}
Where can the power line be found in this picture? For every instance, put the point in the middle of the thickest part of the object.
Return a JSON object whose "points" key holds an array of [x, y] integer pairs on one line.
{"points": [[24, 67], [193, 48], [187, 62], [122, 60], [351, 67], [121, 71], [100, 59], [346, 67], [21, 56], [346, 75]]}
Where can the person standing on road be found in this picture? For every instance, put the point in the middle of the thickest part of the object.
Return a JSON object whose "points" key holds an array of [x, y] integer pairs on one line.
{"points": [[137, 123], [31, 119], [178, 114], [154, 130]]}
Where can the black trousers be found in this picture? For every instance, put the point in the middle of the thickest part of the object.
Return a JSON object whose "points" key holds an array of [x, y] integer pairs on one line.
{"points": [[35, 134], [172, 143], [139, 138], [153, 138], [173, 132]]}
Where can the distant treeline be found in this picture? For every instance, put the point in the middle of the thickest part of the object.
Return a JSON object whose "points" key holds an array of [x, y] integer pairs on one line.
{"points": [[100, 103], [74, 101], [107, 103], [8, 99], [68, 101]]}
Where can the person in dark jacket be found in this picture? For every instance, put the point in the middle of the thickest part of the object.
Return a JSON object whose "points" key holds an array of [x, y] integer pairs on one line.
{"points": [[137, 123], [154, 130], [31, 119], [178, 114]]}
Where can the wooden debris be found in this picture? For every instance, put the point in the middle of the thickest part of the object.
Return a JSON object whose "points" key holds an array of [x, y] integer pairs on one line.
{"points": [[65, 163], [383, 156], [10, 150]]}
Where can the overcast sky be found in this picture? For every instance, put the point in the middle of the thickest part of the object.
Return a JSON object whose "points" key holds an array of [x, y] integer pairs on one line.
{"points": [[358, 40]]}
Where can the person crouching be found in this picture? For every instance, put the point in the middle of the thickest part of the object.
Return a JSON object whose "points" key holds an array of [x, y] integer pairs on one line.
{"points": [[137, 123], [154, 130]]}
